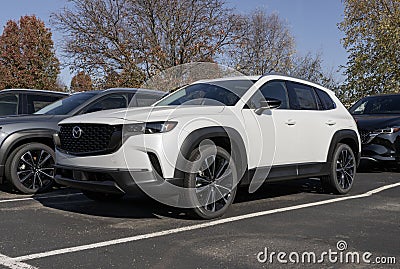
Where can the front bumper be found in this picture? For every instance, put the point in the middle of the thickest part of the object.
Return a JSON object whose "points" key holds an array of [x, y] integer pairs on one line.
{"points": [[113, 181], [382, 149]]}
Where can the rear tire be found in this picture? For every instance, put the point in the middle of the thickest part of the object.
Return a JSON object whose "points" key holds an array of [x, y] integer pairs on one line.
{"points": [[212, 182], [342, 171], [30, 168], [102, 197]]}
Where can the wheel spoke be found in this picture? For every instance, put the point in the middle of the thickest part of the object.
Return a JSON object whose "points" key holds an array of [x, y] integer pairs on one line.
{"points": [[210, 171], [213, 202], [45, 159], [221, 169], [47, 175], [222, 195], [26, 177], [26, 162], [39, 180], [24, 171]]}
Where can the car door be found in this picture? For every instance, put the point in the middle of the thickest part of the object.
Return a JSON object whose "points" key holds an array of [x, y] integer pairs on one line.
{"points": [[270, 134], [315, 125]]}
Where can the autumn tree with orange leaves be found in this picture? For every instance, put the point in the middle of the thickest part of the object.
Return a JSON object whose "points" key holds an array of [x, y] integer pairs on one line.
{"points": [[81, 82], [27, 57]]}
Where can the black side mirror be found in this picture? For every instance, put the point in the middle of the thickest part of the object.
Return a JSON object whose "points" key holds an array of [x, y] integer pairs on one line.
{"points": [[270, 103]]}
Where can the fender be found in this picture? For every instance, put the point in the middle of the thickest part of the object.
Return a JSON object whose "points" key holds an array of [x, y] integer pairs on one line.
{"points": [[14, 138], [345, 136], [238, 149]]}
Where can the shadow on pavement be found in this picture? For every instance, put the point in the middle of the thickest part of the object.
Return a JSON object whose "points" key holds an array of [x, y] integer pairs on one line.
{"points": [[141, 206]]}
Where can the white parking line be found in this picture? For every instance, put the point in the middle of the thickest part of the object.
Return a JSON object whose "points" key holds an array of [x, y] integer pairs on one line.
{"points": [[38, 198], [198, 226], [8, 262]]}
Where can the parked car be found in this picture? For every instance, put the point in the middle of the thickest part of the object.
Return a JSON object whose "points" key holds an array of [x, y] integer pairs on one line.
{"points": [[106, 153], [22, 101], [26, 144], [378, 120]]}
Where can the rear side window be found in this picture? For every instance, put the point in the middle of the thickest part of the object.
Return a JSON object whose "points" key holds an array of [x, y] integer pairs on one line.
{"points": [[9, 104], [326, 101], [301, 97], [38, 101]]}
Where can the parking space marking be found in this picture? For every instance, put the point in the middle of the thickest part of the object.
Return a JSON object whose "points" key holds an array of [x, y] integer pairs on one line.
{"points": [[198, 226], [38, 198], [10, 263]]}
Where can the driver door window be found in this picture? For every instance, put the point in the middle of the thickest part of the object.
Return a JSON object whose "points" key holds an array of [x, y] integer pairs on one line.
{"points": [[111, 101], [271, 90]]}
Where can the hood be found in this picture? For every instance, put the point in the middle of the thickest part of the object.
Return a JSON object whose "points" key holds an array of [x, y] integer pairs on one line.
{"points": [[143, 114], [24, 122], [375, 122]]}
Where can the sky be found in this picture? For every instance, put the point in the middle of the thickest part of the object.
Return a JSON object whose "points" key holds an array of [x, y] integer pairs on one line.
{"points": [[312, 22]]}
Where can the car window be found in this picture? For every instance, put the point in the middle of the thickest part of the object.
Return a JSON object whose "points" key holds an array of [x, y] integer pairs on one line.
{"points": [[270, 90], [36, 101], [144, 99], [9, 104], [111, 101], [215, 93], [325, 101], [301, 97], [67, 105], [377, 105]]}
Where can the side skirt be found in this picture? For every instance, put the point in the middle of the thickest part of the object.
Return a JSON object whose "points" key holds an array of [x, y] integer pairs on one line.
{"points": [[286, 172]]}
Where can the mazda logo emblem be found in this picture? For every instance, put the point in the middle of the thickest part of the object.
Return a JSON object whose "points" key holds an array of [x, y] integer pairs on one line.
{"points": [[77, 132]]}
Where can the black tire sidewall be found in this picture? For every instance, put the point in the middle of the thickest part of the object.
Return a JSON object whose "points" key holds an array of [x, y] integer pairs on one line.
{"points": [[12, 163], [200, 212], [333, 177]]}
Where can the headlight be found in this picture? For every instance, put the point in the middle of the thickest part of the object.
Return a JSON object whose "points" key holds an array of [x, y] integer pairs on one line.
{"points": [[386, 131], [149, 128]]}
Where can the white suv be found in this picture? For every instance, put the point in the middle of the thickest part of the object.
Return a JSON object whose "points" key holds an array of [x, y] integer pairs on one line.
{"points": [[194, 148]]}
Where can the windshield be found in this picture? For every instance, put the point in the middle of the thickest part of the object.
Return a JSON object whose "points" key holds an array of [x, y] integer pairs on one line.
{"points": [[65, 106], [220, 93], [377, 105]]}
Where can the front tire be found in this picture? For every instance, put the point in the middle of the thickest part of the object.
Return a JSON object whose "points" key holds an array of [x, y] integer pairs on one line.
{"points": [[30, 168], [212, 182], [342, 171]]}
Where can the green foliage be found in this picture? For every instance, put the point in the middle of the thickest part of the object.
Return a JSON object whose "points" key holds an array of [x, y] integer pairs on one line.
{"points": [[372, 39], [27, 58]]}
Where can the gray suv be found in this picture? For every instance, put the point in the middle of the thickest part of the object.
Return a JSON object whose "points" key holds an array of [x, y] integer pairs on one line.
{"points": [[26, 145]]}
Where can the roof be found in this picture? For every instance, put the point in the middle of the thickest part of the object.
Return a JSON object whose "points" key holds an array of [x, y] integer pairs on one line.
{"points": [[135, 90], [34, 90]]}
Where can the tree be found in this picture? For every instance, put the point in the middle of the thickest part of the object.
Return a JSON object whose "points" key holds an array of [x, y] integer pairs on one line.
{"points": [[136, 39], [27, 58], [81, 82], [98, 38], [372, 40], [264, 44]]}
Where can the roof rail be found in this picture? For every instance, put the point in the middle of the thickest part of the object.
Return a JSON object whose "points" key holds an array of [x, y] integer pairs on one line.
{"points": [[290, 76]]}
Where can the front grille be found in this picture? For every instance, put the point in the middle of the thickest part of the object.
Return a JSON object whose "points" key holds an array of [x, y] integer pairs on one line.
{"points": [[89, 139], [365, 136]]}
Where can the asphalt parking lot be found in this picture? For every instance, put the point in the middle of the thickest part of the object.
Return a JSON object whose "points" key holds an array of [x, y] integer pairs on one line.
{"points": [[63, 229]]}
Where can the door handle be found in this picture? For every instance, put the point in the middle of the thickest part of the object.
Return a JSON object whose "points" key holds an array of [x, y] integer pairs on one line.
{"points": [[290, 122], [330, 122]]}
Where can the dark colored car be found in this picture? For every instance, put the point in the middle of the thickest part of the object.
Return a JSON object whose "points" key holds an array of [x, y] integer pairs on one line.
{"points": [[26, 144], [378, 121], [19, 101]]}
